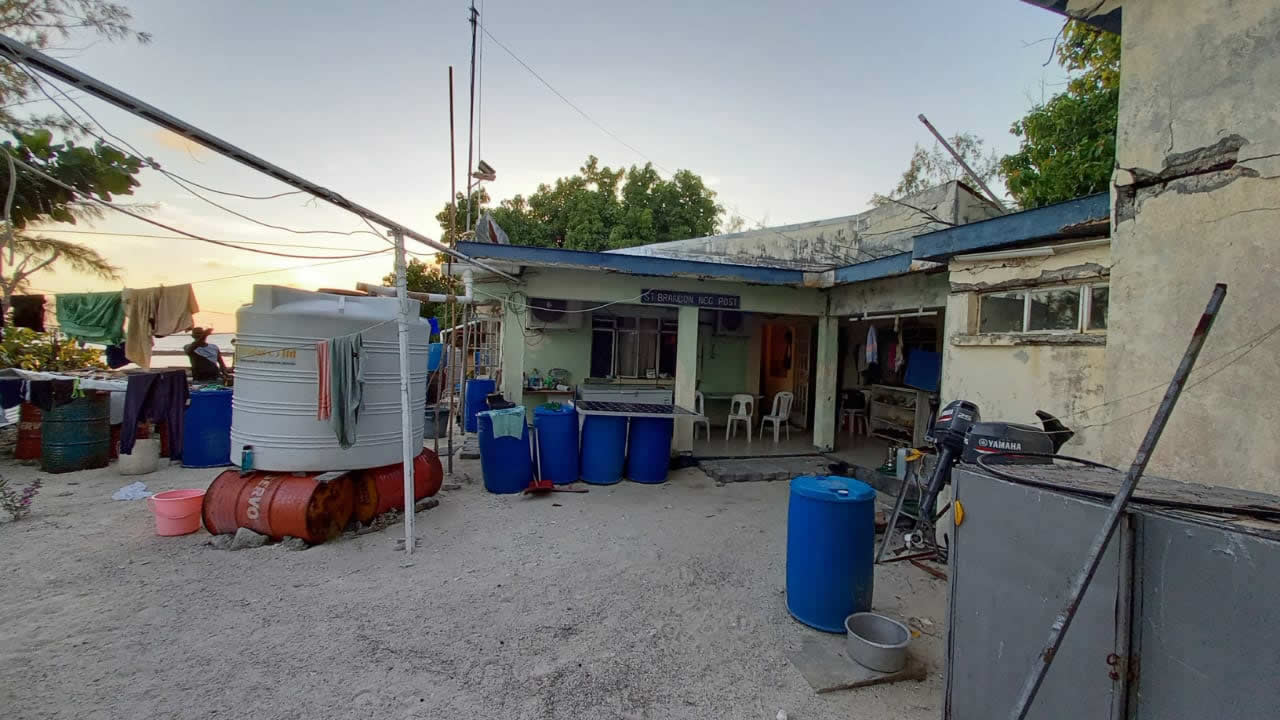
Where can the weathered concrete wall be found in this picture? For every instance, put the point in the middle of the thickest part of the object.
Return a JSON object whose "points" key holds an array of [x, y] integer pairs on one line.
{"points": [[1012, 375], [903, 292], [835, 242], [1196, 201]]}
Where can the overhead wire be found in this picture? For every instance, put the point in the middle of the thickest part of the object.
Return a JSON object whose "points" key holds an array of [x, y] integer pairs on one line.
{"points": [[173, 177], [1247, 347], [184, 237], [637, 151], [170, 228]]}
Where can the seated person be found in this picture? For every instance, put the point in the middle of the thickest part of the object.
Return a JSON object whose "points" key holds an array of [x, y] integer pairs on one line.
{"points": [[205, 357]]}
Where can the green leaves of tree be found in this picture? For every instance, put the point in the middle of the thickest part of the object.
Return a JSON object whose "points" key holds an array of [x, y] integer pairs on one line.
{"points": [[1069, 142], [601, 208]]}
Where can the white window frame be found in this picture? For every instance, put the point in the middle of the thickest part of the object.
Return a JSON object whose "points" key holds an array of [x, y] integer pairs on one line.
{"points": [[1085, 313], [664, 327]]}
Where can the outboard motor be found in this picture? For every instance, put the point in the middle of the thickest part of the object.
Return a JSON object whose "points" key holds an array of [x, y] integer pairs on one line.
{"points": [[959, 434], [947, 435]]}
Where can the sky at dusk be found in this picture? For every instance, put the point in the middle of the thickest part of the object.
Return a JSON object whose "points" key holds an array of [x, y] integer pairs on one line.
{"points": [[790, 111]]}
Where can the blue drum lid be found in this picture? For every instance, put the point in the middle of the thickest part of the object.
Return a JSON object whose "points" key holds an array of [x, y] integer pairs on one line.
{"points": [[832, 488]]}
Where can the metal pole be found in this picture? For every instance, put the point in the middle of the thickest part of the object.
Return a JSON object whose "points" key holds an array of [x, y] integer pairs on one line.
{"points": [[20, 53], [407, 441], [1081, 582], [960, 160], [453, 237], [471, 118], [468, 315]]}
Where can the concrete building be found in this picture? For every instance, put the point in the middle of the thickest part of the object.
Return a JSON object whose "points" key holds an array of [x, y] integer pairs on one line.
{"points": [[776, 310], [1195, 201], [1081, 309]]}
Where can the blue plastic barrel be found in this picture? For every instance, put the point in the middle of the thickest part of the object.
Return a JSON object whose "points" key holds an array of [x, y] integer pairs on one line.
{"points": [[477, 391], [76, 436], [435, 351], [604, 447], [831, 535], [649, 450], [505, 462], [206, 429], [557, 443]]}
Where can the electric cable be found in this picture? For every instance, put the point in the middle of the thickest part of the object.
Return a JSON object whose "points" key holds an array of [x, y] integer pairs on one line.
{"points": [[184, 237], [276, 270], [178, 180], [157, 223], [1247, 510], [636, 150]]}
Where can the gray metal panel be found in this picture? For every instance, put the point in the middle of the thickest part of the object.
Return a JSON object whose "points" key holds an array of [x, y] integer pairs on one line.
{"points": [[625, 394], [1012, 561], [1210, 606]]}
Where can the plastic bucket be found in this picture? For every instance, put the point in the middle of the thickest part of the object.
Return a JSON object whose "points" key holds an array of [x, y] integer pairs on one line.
{"points": [[177, 511]]}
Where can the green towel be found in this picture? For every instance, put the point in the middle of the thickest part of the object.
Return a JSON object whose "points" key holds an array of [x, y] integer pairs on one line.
{"points": [[508, 422], [92, 317], [346, 380]]}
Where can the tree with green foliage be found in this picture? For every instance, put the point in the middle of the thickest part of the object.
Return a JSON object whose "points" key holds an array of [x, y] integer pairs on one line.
{"points": [[428, 278], [1069, 142], [99, 171], [51, 25], [601, 208], [935, 166]]}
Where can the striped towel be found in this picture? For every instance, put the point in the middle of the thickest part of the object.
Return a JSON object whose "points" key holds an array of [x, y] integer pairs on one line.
{"points": [[324, 394]]}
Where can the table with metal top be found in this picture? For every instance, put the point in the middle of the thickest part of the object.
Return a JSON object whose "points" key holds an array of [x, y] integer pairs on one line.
{"points": [[622, 409]]}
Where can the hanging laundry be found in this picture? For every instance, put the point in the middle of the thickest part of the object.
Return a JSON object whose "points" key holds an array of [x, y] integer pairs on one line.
{"points": [[872, 349], [49, 394], [901, 359], [116, 357], [346, 376], [324, 397], [28, 311], [175, 309], [92, 317], [155, 397], [140, 311]]}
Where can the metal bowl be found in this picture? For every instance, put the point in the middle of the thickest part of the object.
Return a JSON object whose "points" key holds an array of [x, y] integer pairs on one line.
{"points": [[877, 642]]}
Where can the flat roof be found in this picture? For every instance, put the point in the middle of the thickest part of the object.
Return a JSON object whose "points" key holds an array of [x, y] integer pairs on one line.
{"points": [[1086, 216], [632, 264]]}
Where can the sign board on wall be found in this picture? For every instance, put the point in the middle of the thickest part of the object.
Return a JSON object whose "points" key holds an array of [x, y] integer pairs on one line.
{"points": [[696, 299]]}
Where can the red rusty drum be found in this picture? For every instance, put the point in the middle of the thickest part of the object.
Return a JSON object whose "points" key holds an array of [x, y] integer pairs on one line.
{"points": [[366, 497], [279, 504], [428, 474], [29, 421]]}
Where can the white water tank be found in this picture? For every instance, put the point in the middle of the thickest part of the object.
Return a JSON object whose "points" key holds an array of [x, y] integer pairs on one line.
{"points": [[275, 401]]}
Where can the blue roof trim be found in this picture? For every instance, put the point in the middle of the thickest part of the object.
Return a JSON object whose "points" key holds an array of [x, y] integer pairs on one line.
{"points": [[887, 266], [631, 264], [1110, 21], [1039, 224]]}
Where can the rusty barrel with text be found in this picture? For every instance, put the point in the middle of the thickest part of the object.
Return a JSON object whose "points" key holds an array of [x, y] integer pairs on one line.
{"points": [[313, 506]]}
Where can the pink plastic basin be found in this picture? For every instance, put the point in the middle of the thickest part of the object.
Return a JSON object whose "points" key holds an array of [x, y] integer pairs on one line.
{"points": [[177, 511]]}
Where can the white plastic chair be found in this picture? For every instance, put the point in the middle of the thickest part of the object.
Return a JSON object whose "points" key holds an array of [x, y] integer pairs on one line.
{"points": [[741, 409], [699, 406], [779, 415]]}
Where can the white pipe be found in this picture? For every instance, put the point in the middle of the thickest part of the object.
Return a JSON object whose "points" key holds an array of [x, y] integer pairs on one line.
{"points": [[467, 298], [406, 416]]}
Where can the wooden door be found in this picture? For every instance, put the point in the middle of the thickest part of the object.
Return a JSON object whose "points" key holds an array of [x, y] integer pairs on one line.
{"points": [[801, 371]]}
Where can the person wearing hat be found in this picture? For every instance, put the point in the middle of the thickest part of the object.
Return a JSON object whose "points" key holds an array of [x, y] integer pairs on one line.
{"points": [[205, 357]]}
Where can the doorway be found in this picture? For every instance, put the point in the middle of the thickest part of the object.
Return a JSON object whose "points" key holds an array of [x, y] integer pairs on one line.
{"points": [[786, 366]]}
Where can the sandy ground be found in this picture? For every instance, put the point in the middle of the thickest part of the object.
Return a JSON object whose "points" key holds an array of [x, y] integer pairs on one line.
{"points": [[627, 602]]}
